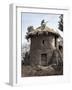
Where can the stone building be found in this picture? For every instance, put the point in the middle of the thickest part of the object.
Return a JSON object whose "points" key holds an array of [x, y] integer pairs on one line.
{"points": [[43, 42]]}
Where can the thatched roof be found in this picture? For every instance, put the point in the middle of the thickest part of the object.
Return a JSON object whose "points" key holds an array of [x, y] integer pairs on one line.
{"points": [[40, 31]]}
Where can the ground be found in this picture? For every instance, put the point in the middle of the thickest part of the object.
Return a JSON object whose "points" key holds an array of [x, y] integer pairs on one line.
{"points": [[39, 71]]}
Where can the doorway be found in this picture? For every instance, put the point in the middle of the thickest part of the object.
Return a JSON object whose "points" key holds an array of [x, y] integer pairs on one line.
{"points": [[44, 59]]}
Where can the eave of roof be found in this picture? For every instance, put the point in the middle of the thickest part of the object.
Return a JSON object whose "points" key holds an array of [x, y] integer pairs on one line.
{"points": [[40, 31]]}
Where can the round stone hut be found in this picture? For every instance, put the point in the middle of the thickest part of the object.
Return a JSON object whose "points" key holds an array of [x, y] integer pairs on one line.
{"points": [[43, 42]]}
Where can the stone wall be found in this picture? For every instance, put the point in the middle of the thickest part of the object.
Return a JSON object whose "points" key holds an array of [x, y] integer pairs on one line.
{"points": [[41, 45]]}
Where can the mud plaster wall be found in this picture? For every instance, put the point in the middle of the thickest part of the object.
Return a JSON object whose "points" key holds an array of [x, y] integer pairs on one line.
{"points": [[41, 44]]}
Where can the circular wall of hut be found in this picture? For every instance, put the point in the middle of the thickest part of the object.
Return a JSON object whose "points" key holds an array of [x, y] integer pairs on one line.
{"points": [[41, 49]]}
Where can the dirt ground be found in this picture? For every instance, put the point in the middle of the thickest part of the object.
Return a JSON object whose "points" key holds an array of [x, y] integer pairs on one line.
{"points": [[28, 71]]}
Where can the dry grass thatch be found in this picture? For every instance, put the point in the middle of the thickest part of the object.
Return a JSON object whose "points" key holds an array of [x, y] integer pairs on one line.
{"points": [[39, 31]]}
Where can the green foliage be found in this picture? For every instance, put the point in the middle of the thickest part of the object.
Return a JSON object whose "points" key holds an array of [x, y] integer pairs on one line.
{"points": [[27, 58], [61, 22], [30, 28]]}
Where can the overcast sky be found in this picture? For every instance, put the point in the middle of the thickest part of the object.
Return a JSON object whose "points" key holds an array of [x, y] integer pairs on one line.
{"points": [[34, 19]]}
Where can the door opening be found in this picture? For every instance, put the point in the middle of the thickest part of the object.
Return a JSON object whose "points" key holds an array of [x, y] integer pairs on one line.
{"points": [[44, 59]]}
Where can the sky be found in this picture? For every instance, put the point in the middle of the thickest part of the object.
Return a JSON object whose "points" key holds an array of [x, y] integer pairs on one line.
{"points": [[34, 19]]}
